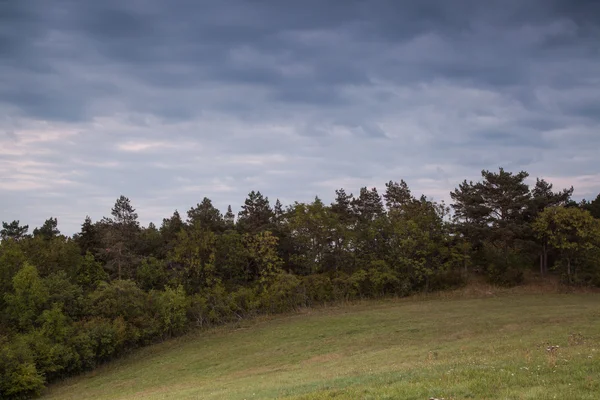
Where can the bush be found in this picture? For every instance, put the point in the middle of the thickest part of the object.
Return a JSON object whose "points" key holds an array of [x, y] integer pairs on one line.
{"points": [[19, 377], [283, 294], [317, 289]]}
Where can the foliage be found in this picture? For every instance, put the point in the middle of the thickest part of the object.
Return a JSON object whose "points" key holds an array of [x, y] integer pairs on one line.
{"points": [[70, 303]]}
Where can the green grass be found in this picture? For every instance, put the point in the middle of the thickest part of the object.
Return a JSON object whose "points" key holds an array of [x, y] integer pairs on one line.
{"points": [[492, 347]]}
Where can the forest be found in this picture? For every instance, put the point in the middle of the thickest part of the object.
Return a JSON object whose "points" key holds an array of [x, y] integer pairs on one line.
{"points": [[70, 303]]}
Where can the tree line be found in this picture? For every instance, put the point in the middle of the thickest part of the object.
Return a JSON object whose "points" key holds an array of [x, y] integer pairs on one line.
{"points": [[70, 303]]}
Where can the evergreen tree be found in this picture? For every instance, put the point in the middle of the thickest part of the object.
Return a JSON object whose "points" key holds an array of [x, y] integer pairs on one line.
{"points": [[13, 230], [397, 195], [88, 238], [368, 205], [206, 215], [256, 213], [119, 237], [592, 206], [48, 230], [229, 217]]}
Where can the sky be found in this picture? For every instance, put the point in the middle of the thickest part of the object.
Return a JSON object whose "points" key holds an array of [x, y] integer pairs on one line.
{"points": [[170, 102]]}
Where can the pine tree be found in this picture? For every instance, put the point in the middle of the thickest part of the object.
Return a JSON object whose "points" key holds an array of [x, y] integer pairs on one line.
{"points": [[256, 213], [206, 215], [48, 230], [229, 217], [367, 206], [397, 195], [13, 230]]}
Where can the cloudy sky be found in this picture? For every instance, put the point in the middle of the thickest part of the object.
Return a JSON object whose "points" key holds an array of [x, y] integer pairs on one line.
{"points": [[168, 102]]}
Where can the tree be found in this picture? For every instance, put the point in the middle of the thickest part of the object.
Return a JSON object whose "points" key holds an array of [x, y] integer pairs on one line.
{"points": [[48, 230], [195, 251], [571, 231], [13, 230], [124, 214], [493, 213], [543, 197], [207, 215], [28, 297], [256, 213], [88, 238], [397, 195], [368, 205], [120, 236], [262, 248], [229, 218], [592, 206], [169, 230]]}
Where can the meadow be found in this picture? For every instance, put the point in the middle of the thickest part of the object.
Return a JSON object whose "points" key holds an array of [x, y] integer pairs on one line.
{"points": [[485, 345]]}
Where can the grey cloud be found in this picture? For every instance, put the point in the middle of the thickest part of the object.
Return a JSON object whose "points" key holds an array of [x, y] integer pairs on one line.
{"points": [[173, 102]]}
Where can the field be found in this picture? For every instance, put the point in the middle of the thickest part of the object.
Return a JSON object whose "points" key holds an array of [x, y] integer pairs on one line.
{"points": [[487, 346]]}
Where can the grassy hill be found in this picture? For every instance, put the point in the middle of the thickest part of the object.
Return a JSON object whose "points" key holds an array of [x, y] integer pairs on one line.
{"points": [[495, 346]]}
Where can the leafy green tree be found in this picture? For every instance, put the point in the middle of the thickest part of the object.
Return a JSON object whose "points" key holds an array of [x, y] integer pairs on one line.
{"points": [[172, 311], [232, 258], [13, 231], [28, 298], [152, 274], [89, 272], [12, 258], [19, 377], [543, 197], [48, 230], [311, 226], [571, 231], [265, 261], [195, 252]]}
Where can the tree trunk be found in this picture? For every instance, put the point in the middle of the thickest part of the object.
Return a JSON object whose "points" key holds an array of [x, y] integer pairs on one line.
{"points": [[569, 269]]}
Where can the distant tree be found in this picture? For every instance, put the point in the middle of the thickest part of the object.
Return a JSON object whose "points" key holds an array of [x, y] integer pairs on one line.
{"points": [[492, 215], [342, 205], [368, 205], [119, 237], [89, 237], [169, 230], [543, 197], [48, 230], [28, 297], [592, 206], [397, 195], [207, 215], [13, 230], [195, 250], [124, 214], [229, 217], [278, 212], [256, 213], [571, 231]]}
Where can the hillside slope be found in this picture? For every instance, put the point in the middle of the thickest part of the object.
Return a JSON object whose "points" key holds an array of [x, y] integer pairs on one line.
{"points": [[495, 347]]}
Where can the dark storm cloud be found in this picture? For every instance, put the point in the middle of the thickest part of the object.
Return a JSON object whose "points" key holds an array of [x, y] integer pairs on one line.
{"points": [[172, 101]]}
